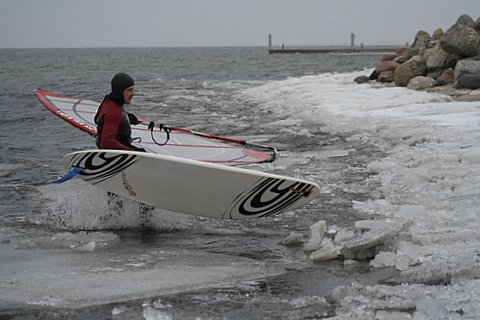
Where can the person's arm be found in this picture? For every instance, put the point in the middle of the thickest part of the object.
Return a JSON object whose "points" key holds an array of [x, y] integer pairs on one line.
{"points": [[111, 124]]}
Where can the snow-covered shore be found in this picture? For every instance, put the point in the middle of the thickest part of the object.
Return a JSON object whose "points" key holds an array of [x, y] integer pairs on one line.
{"points": [[429, 190]]}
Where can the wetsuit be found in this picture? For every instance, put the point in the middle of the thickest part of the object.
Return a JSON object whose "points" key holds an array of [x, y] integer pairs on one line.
{"points": [[113, 122], [113, 126]]}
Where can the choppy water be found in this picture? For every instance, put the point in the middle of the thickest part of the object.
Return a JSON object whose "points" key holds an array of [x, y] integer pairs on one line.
{"points": [[190, 87]]}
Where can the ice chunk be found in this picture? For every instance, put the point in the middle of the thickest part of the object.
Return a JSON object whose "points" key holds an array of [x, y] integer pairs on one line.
{"points": [[430, 308], [327, 251], [150, 313], [83, 241], [441, 270], [367, 225], [119, 310], [366, 245], [472, 155], [293, 239], [309, 301], [317, 233], [384, 259], [392, 315]]}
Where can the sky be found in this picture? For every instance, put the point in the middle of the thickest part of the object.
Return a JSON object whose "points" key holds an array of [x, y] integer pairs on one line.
{"points": [[191, 23]]}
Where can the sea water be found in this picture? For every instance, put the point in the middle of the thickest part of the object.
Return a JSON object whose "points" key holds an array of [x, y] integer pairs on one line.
{"points": [[391, 154]]}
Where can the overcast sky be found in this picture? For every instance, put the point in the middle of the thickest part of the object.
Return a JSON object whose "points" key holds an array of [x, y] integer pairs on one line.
{"points": [[133, 23]]}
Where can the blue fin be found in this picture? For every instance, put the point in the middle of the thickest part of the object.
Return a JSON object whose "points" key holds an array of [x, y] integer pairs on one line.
{"points": [[71, 174]]}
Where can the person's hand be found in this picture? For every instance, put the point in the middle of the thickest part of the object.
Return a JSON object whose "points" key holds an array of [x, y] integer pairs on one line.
{"points": [[132, 118]]}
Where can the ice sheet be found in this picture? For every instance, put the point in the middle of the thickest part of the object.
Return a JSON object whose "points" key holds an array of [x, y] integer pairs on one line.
{"points": [[430, 182], [72, 279]]}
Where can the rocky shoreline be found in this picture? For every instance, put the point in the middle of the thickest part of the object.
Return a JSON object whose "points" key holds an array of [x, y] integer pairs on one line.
{"points": [[445, 62]]}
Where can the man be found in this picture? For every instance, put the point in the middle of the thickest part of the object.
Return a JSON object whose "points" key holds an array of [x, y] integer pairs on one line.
{"points": [[113, 122], [113, 125]]}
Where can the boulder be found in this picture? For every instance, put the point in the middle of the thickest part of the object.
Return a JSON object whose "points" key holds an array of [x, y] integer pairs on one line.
{"points": [[466, 20], [420, 83], [386, 66], [405, 72], [466, 66], [469, 98], [406, 55], [477, 24], [437, 35], [400, 50], [436, 61], [427, 53], [468, 81], [361, 79], [422, 40], [462, 40], [451, 61], [445, 78], [390, 57], [386, 76]]}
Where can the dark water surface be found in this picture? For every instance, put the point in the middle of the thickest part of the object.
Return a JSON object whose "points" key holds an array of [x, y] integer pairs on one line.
{"points": [[189, 87]]}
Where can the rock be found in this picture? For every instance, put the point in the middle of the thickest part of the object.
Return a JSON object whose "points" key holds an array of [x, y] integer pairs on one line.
{"points": [[469, 98], [451, 61], [462, 40], [466, 67], [406, 55], [466, 20], [427, 53], [405, 72], [422, 40], [477, 24], [400, 50], [390, 57], [386, 76], [361, 79], [447, 90], [420, 58], [386, 66], [437, 35], [436, 61], [468, 81], [420, 83], [447, 77]]}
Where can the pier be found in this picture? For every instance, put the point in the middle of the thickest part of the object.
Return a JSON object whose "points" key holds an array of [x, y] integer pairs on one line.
{"points": [[332, 49]]}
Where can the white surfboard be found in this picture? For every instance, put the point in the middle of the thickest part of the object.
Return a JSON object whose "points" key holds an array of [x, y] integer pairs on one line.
{"points": [[191, 186]]}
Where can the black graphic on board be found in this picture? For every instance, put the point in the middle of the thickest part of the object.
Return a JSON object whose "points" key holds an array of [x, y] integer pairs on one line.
{"points": [[100, 166], [268, 197]]}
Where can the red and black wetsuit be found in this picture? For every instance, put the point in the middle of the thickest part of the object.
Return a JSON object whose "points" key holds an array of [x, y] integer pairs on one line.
{"points": [[113, 126]]}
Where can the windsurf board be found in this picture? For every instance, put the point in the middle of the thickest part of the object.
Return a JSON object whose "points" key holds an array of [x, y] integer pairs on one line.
{"points": [[191, 186]]}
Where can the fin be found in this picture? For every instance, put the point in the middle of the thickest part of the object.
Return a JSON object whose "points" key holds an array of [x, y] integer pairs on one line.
{"points": [[71, 174]]}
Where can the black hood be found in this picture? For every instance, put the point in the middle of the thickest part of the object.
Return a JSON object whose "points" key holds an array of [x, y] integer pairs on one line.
{"points": [[120, 82]]}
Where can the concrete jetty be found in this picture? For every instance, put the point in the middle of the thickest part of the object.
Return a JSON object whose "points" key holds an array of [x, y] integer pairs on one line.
{"points": [[353, 48], [345, 49]]}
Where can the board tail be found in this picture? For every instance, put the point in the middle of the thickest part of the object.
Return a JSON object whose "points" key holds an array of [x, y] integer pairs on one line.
{"points": [[70, 175]]}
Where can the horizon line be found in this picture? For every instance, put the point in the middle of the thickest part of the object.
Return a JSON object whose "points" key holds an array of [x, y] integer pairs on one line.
{"points": [[204, 46]]}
